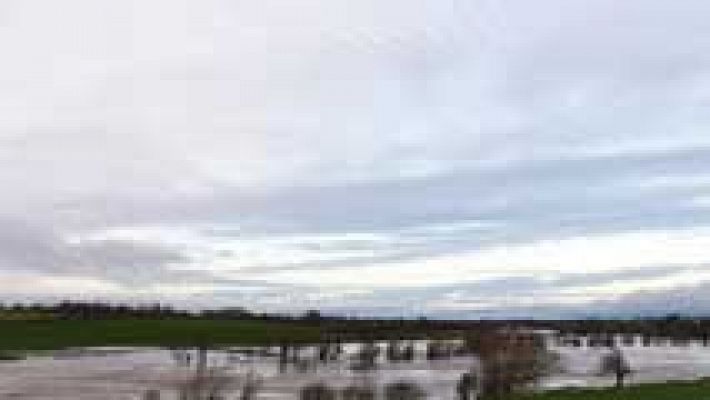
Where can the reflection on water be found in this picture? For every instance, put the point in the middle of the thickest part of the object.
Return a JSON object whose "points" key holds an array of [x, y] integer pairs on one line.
{"points": [[317, 391], [404, 390], [364, 392], [397, 369]]}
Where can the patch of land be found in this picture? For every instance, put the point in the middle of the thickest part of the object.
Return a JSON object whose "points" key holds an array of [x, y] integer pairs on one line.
{"points": [[54, 334], [696, 390]]}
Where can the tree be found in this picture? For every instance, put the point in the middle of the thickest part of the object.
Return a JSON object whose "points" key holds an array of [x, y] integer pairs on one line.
{"points": [[312, 315], [510, 361], [615, 363]]}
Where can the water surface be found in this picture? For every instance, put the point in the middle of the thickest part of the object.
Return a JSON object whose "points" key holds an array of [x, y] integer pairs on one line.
{"points": [[292, 373]]}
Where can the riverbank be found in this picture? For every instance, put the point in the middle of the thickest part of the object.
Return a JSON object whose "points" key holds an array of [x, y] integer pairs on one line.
{"points": [[693, 390], [55, 334]]}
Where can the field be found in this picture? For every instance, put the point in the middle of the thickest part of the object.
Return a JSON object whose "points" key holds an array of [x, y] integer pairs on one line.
{"points": [[699, 390], [52, 334]]}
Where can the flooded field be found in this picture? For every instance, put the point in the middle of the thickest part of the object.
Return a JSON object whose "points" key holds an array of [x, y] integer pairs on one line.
{"points": [[386, 370]]}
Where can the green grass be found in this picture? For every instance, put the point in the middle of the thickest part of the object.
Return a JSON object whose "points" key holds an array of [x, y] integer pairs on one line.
{"points": [[40, 335], [697, 390], [24, 316]]}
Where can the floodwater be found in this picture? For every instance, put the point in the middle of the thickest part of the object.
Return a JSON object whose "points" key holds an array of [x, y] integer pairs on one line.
{"points": [[350, 371]]}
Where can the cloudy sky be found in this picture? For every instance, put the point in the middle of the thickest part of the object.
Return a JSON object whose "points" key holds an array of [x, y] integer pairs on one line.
{"points": [[401, 157]]}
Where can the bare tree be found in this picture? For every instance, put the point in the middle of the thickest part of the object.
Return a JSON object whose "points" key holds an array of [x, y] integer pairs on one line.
{"points": [[615, 363], [510, 361], [467, 384]]}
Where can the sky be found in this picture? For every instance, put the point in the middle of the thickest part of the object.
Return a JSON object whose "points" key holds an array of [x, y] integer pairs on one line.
{"points": [[447, 158]]}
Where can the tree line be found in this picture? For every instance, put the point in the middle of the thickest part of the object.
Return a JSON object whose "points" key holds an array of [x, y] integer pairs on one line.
{"points": [[671, 326]]}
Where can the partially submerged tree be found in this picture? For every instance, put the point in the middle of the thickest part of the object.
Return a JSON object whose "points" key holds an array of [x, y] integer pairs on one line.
{"points": [[466, 385], [510, 361], [366, 357], [615, 363]]}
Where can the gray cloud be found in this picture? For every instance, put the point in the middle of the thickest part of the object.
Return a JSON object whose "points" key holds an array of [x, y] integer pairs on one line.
{"points": [[438, 127], [503, 297], [26, 247], [30, 249]]}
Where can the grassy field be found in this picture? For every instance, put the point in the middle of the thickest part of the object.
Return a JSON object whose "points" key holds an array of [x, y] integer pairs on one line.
{"points": [[697, 390], [40, 334]]}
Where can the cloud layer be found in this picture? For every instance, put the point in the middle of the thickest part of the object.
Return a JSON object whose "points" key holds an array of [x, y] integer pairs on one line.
{"points": [[434, 157]]}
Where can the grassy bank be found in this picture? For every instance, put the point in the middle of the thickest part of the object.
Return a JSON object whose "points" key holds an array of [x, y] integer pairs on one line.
{"points": [[697, 390], [66, 333]]}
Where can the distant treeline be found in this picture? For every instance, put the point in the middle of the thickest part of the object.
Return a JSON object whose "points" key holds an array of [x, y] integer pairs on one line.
{"points": [[80, 310], [671, 326]]}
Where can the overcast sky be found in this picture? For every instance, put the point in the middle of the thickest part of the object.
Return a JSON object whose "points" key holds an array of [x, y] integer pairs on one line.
{"points": [[401, 157]]}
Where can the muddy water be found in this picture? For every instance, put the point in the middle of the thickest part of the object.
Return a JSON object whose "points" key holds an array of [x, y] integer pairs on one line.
{"points": [[278, 373], [658, 363]]}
